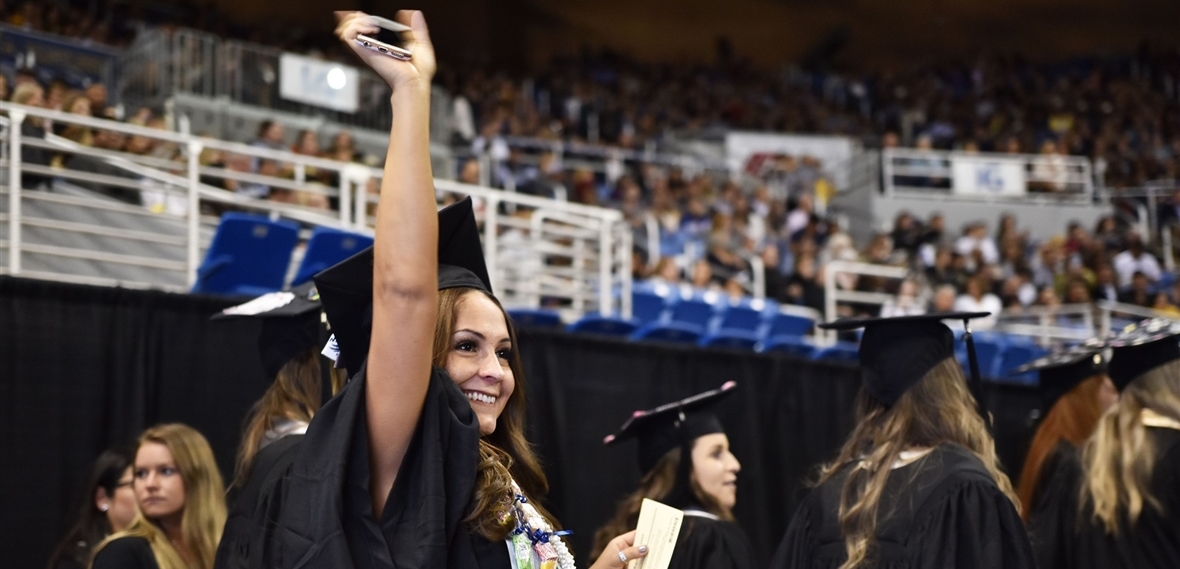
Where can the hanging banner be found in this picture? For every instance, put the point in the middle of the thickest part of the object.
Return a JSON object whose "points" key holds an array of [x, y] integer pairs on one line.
{"points": [[988, 176], [756, 153], [320, 83]]}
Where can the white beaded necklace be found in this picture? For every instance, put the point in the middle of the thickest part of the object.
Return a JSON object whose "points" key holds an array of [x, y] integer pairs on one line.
{"points": [[536, 528]]}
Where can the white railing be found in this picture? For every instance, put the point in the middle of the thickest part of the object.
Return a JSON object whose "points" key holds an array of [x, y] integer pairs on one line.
{"points": [[834, 293], [583, 252], [989, 176]]}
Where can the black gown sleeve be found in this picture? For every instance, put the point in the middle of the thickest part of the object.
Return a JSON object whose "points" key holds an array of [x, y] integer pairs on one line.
{"points": [[126, 553], [1052, 521], [713, 544], [797, 547], [973, 526]]}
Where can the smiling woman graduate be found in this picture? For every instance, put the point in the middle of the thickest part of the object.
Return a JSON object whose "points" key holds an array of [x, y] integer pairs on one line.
{"points": [[421, 460], [917, 484]]}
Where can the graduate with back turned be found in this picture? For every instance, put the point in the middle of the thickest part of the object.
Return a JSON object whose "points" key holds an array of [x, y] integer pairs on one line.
{"points": [[918, 483], [1120, 507]]}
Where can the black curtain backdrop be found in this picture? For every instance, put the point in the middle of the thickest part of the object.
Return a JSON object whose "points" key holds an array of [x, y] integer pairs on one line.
{"points": [[83, 368]]}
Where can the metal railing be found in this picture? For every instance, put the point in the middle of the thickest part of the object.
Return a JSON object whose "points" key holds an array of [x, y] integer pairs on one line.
{"points": [[991, 176], [581, 253], [161, 63]]}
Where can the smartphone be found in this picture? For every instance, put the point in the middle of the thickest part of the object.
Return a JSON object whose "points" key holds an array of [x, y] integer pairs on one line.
{"points": [[387, 40]]}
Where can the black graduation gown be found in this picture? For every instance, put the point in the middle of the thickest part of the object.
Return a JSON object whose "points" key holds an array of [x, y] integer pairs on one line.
{"points": [[1060, 475], [317, 514], [126, 553], [707, 542], [270, 464], [943, 510], [1078, 541]]}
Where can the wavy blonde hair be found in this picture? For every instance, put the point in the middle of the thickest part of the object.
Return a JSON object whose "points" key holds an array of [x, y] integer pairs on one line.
{"points": [[937, 410], [505, 455], [1119, 459], [204, 502], [1072, 418]]}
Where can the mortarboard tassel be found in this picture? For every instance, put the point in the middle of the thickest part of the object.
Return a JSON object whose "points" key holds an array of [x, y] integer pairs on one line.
{"points": [[976, 379]]}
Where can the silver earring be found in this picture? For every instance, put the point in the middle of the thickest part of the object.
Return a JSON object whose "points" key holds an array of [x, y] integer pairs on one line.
{"points": [[104, 507]]}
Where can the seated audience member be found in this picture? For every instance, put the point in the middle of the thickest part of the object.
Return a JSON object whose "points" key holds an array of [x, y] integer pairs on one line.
{"points": [[1135, 259], [343, 148], [906, 303], [31, 94], [105, 505], [1105, 288], [1139, 293], [976, 298]]}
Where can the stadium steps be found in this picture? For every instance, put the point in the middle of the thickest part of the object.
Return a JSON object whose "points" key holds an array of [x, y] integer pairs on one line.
{"points": [[70, 233]]}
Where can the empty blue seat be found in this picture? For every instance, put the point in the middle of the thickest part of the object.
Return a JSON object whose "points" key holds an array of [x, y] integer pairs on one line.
{"points": [[842, 351], [327, 247], [692, 311], [606, 325], [730, 338], [785, 344], [783, 324], [1018, 354], [249, 256], [738, 317], [647, 306], [538, 317], [676, 332]]}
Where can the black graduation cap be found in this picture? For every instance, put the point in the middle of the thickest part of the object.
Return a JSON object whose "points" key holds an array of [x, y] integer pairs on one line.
{"points": [[671, 425], [291, 324], [896, 352], [1141, 347], [1060, 372], [346, 289]]}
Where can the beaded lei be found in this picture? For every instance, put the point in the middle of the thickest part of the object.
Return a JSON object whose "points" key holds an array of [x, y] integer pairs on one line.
{"points": [[533, 534]]}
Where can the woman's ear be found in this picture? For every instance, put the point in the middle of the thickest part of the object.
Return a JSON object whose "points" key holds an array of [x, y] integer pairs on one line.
{"points": [[102, 500]]}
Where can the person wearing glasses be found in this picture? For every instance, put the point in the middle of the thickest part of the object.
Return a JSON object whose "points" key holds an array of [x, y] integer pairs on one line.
{"points": [[106, 505]]}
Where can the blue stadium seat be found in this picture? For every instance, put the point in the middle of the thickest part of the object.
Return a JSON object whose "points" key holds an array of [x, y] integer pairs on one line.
{"points": [[987, 349], [730, 338], [842, 351], [327, 247], [786, 344], [647, 306], [740, 317], [1018, 354], [697, 311], [249, 256], [536, 317], [783, 324], [605, 325], [676, 332]]}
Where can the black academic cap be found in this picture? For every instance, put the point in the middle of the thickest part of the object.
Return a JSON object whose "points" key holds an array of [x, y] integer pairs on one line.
{"points": [[896, 352], [1060, 372], [672, 425], [291, 324], [1141, 347], [346, 289]]}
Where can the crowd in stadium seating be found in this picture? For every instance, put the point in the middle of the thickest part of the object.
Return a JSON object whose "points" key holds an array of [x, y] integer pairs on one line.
{"points": [[1122, 112]]}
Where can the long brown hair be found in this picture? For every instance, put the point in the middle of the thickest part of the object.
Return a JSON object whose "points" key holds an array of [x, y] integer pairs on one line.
{"points": [[1071, 419], [204, 501], [937, 410], [505, 455], [1120, 458], [294, 395], [656, 485]]}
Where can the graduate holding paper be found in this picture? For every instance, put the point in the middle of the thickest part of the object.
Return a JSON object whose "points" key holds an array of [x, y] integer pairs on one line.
{"points": [[684, 455]]}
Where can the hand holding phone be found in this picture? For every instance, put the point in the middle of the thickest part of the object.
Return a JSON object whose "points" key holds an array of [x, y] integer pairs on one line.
{"points": [[387, 40]]}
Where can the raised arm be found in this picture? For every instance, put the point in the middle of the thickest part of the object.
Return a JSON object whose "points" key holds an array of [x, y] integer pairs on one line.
{"points": [[405, 254]]}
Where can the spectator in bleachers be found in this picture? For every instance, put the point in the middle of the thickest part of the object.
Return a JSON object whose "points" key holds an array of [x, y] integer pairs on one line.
{"points": [[906, 303], [906, 234], [1105, 287], [977, 247], [800, 216], [803, 286], [702, 276], [976, 298], [1049, 172], [270, 135], [1135, 259], [1138, 292], [77, 104], [4, 87], [31, 94], [1109, 234], [343, 148], [96, 93]]}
